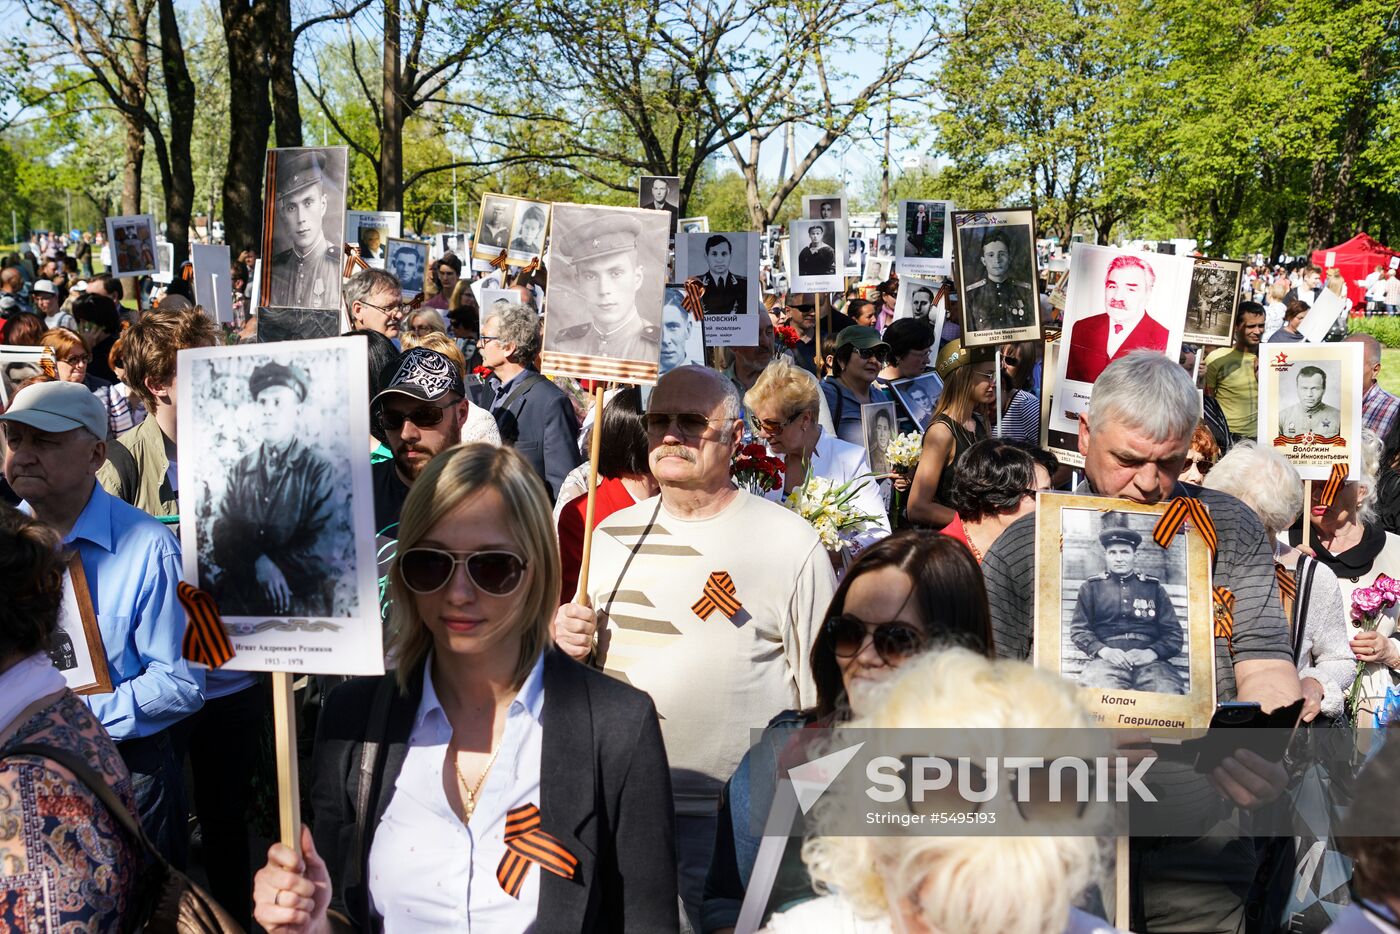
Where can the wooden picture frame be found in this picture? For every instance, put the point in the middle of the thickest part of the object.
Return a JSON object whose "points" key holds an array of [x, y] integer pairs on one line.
{"points": [[78, 652], [1072, 554]]}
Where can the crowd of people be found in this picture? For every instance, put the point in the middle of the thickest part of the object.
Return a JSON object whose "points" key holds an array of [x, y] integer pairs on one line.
{"points": [[560, 751]]}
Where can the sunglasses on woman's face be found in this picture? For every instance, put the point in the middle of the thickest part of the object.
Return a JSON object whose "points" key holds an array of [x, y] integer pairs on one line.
{"points": [[894, 642], [427, 570]]}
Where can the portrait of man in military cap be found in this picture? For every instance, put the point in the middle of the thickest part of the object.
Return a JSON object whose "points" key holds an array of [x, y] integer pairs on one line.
{"points": [[306, 199], [1123, 619], [607, 273]]}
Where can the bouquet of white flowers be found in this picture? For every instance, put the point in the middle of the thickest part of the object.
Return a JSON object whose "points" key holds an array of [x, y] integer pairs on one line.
{"points": [[903, 451], [829, 510]]}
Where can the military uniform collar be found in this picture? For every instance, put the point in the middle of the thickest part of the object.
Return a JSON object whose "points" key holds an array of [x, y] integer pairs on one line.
{"points": [[633, 325], [319, 246]]}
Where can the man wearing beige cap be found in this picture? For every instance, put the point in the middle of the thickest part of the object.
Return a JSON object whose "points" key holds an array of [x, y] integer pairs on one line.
{"points": [[607, 275], [53, 439]]}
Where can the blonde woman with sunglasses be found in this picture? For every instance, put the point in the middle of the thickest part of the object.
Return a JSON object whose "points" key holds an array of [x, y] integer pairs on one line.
{"points": [[491, 782]]}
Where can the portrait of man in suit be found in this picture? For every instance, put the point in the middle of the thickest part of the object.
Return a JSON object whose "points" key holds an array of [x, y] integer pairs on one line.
{"points": [[658, 193], [725, 292], [1122, 327]]}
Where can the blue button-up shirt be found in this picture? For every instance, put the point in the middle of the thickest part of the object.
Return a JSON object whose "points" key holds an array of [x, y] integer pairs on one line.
{"points": [[132, 564]]}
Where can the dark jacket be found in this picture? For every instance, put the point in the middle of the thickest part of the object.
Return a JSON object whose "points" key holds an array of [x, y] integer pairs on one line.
{"points": [[539, 422], [604, 782]]}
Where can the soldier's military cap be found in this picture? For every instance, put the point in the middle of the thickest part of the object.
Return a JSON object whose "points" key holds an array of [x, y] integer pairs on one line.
{"points": [[955, 355], [615, 233], [1120, 537], [277, 374], [297, 170]]}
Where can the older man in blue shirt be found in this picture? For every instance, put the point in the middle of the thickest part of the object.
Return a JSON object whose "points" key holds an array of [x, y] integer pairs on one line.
{"points": [[53, 434]]}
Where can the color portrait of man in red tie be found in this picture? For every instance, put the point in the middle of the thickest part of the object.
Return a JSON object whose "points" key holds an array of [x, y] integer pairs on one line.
{"points": [[1124, 326]]}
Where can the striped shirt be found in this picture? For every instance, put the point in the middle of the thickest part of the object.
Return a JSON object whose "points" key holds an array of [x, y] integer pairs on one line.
{"points": [[1021, 421], [1378, 410]]}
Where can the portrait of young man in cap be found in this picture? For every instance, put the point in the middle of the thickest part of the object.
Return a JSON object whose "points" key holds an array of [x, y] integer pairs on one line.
{"points": [[606, 273], [308, 205], [497, 215], [1124, 622]]}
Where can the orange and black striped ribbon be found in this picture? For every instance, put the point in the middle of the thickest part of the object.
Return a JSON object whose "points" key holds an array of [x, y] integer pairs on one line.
{"points": [[205, 640], [1178, 511], [718, 595], [1333, 440], [1225, 615], [526, 843], [416, 302], [500, 261], [1334, 484], [353, 261], [1287, 584], [527, 269], [694, 292]]}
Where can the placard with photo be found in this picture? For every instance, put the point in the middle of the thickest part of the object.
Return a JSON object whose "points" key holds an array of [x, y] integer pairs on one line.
{"points": [[919, 396], [879, 424], [695, 225], [919, 299], [213, 280], [132, 245], [1063, 444], [277, 502], [1117, 301], [682, 337], [19, 362], [726, 265], [1310, 405], [925, 238], [1214, 301], [824, 207], [997, 279], [303, 226], [456, 242], [371, 231], [1130, 622], [607, 273], [77, 650], [661, 193], [165, 263], [813, 263], [408, 260]]}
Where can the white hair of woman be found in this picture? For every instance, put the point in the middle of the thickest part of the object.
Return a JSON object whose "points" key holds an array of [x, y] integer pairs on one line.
{"points": [[1147, 391], [1266, 482]]}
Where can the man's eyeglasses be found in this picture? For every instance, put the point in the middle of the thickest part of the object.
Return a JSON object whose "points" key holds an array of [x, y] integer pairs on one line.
{"points": [[770, 427], [427, 570], [894, 642], [425, 416], [689, 424], [487, 338], [386, 309]]}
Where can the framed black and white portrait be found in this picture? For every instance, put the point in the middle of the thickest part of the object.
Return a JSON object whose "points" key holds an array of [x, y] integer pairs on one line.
{"points": [[607, 272], [996, 276], [879, 424], [371, 231], [1127, 620], [76, 648], [1213, 302], [132, 245], [408, 260], [814, 265], [303, 226], [920, 299], [276, 501], [528, 233], [924, 243], [682, 337], [726, 266], [1310, 405], [493, 227], [455, 242], [695, 225], [918, 395], [824, 207], [19, 362], [661, 193]]}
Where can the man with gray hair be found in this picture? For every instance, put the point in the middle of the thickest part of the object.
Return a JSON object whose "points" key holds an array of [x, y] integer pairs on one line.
{"points": [[533, 414], [1135, 437], [708, 598], [374, 301], [1378, 407]]}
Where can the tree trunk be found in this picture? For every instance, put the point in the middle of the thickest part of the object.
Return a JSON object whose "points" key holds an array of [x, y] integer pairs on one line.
{"points": [[249, 123], [885, 168], [286, 106], [391, 128], [180, 98], [135, 161], [1319, 207], [1280, 234]]}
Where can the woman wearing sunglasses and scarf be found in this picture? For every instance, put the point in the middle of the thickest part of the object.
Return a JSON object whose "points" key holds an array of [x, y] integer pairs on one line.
{"points": [[905, 595], [490, 783], [859, 356]]}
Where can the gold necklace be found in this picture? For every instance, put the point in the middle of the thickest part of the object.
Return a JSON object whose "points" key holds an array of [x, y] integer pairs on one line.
{"points": [[469, 805]]}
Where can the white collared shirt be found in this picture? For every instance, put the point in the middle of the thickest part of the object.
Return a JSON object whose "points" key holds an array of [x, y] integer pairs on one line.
{"points": [[427, 870], [1116, 338]]}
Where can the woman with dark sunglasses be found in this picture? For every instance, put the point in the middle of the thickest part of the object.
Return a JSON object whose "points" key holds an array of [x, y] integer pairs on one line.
{"points": [[907, 594], [860, 354], [491, 782]]}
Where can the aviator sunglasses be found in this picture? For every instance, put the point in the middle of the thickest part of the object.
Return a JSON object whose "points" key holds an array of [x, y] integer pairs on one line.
{"points": [[894, 642], [426, 570]]}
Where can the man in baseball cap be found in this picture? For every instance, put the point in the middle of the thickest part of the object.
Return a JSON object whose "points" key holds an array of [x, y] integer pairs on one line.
{"points": [[53, 440], [607, 275], [423, 411]]}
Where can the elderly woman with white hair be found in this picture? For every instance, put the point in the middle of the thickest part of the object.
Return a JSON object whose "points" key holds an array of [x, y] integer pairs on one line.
{"points": [[1348, 538], [920, 882], [1266, 482]]}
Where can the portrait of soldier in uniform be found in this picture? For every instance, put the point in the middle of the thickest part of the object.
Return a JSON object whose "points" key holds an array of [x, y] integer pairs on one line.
{"points": [[1125, 623], [607, 274], [280, 497], [725, 292], [998, 299], [496, 217], [306, 263], [1310, 416], [408, 260], [817, 257]]}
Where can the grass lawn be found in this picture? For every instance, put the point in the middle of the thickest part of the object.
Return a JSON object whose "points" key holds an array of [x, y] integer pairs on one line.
{"points": [[1390, 371]]}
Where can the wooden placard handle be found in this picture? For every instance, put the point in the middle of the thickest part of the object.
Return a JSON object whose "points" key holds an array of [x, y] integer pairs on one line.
{"points": [[594, 445], [284, 721]]}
